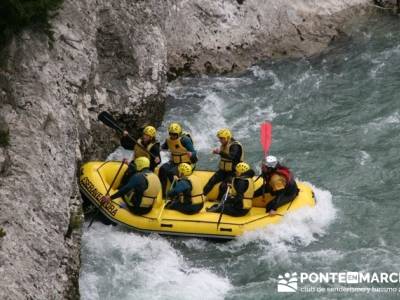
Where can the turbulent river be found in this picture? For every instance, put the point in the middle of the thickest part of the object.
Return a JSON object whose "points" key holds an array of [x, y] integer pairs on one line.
{"points": [[336, 123]]}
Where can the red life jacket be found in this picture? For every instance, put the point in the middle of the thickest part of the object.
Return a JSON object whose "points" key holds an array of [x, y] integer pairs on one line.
{"points": [[283, 171]]}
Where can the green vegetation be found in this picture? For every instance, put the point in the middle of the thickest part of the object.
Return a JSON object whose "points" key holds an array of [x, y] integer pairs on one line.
{"points": [[2, 232], [75, 222], [16, 15], [4, 138]]}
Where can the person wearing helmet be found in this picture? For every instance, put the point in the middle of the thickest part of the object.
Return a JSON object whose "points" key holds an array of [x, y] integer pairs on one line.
{"points": [[145, 145], [148, 141], [241, 191], [141, 191], [231, 152], [279, 182], [187, 192], [181, 147]]}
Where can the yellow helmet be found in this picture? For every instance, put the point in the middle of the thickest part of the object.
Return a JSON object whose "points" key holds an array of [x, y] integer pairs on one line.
{"points": [[241, 168], [224, 133], [150, 131], [185, 169], [175, 128], [142, 163]]}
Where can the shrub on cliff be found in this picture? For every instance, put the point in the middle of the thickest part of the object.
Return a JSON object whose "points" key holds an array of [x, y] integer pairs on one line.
{"points": [[4, 138], [16, 15]]}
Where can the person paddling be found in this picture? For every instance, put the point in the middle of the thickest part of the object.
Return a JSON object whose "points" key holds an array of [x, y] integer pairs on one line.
{"points": [[187, 192], [146, 146], [141, 190], [231, 153], [240, 196], [279, 182]]}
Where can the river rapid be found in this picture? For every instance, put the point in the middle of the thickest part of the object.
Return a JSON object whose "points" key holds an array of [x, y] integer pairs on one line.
{"points": [[336, 124]]}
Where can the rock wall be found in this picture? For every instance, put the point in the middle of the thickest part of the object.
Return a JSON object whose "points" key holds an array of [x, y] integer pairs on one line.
{"points": [[107, 55], [114, 56], [225, 36]]}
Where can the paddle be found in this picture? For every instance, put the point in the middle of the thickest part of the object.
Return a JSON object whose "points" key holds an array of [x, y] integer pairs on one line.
{"points": [[159, 218], [265, 136], [223, 205], [108, 120], [108, 191], [265, 140]]}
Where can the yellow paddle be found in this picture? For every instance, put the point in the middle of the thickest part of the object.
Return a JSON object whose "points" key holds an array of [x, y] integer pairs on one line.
{"points": [[159, 218]]}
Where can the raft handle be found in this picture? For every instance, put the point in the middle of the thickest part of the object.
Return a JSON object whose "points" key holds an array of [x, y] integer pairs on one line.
{"points": [[226, 229], [167, 225]]}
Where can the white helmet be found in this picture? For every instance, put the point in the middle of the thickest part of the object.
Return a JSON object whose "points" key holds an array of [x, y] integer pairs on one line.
{"points": [[271, 161]]}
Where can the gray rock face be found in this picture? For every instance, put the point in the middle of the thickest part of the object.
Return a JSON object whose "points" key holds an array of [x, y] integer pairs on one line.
{"points": [[224, 36], [114, 56], [106, 56]]}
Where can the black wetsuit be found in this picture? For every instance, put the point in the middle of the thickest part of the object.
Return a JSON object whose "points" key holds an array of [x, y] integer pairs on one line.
{"points": [[234, 205], [235, 154], [183, 186], [139, 184]]}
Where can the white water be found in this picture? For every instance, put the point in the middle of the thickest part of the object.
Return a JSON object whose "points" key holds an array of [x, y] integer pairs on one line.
{"points": [[127, 265]]}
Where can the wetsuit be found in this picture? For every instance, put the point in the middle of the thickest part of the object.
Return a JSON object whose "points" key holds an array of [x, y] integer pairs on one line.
{"points": [[239, 201], [140, 192], [187, 195], [225, 173]]}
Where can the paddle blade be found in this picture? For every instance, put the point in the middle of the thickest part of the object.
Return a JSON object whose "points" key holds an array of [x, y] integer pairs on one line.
{"points": [[266, 136], [108, 120]]}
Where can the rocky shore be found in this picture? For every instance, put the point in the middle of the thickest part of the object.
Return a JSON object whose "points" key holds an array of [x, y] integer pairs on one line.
{"points": [[115, 56]]}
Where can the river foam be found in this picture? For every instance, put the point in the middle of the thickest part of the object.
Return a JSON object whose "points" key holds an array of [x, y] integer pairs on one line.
{"points": [[126, 265]]}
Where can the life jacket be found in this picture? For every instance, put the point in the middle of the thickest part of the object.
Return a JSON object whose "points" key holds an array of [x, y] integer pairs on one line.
{"points": [[197, 189], [226, 164], [178, 151], [139, 151], [247, 195], [275, 178], [284, 171], [196, 194], [150, 194]]}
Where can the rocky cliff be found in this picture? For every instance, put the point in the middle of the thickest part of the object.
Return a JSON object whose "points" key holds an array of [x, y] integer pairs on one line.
{"points": [[226, 36], [114, 56]]}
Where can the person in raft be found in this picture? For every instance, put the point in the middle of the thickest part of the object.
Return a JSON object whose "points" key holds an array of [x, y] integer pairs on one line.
{"points": [[187, 192], [141, 190], [147, 141], [278, 181], [241, 191], [180, 145], [231, 152]]}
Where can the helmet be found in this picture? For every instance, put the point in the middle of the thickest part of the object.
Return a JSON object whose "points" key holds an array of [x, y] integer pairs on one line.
{"points": [[142, 163], [242, 167], [150, 131], [224, 133], [185, 169], [270, 161], [175, 128]]}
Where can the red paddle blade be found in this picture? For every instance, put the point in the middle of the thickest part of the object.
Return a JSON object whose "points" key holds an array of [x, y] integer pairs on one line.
{"points": [[266, 136]]}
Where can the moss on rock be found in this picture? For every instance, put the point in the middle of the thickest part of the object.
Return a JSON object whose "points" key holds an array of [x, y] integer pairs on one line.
{"points": [[16, 15]]}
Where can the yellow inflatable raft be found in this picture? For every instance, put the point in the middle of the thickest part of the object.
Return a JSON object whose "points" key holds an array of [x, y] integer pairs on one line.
{"points": [[96, 178]]}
